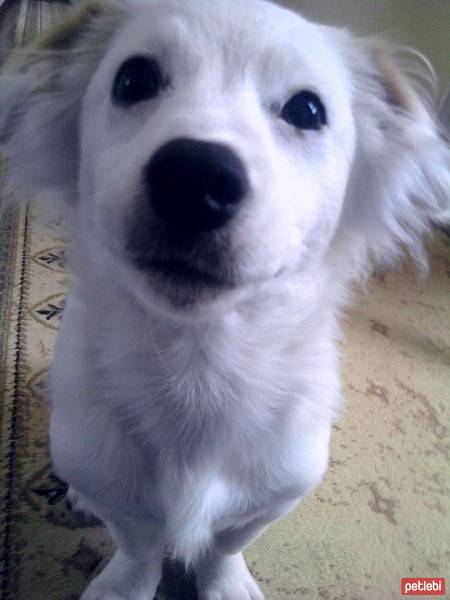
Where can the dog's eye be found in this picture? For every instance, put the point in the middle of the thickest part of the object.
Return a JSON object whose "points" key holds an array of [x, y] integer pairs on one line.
{"points": [[305, 111], [139, 78]]}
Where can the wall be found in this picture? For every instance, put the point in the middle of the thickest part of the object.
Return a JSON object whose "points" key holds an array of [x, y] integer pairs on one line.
{"points": [[426, 25], [423, 24]]}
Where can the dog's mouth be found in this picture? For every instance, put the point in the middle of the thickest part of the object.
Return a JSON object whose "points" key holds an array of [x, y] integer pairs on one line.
{"points": [[186, 286], [183, 269], [196, 280], [179, 272]]}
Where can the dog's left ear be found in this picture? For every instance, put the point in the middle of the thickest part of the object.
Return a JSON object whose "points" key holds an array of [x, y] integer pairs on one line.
{"points": [[41, 89], [401, 178]]}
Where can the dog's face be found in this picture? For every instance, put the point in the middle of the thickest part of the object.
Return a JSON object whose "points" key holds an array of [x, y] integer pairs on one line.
{"points": [[217, 147]]}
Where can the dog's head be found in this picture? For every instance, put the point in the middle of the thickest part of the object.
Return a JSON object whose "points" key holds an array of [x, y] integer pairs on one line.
{"points": [[215, 147]]}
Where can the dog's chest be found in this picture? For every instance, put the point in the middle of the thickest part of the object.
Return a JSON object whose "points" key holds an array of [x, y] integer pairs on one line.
{"points": [[205, 424], [213, 487], [195, 431], [202, 394]]}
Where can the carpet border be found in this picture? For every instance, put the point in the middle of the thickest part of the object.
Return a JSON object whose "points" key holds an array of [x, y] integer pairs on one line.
{"points": [[9, 454]]}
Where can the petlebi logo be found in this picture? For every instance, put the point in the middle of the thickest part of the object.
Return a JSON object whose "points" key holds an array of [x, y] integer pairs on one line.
{"points": [[423, 586]]}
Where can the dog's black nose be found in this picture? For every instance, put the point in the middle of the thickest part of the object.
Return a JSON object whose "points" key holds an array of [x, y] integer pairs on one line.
{"points": [[195, 186]]}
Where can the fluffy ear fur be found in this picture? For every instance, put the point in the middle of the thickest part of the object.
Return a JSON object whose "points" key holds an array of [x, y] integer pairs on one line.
{"points": [[401, 179], [41, 88]]}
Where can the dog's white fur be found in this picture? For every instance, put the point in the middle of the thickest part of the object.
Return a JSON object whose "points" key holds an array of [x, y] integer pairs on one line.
{"points": [[189, 423]]}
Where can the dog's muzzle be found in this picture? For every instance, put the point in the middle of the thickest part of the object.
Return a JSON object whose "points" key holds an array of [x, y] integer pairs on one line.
{"points": [[180, 232], [195, 186]]}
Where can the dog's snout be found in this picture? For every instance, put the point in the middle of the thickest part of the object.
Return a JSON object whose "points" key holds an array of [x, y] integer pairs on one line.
{"points": [[195, 186]]}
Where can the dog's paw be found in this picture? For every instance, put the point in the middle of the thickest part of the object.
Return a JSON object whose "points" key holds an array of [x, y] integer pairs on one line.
{"points": [[101, 594], [231, 581], [124, 579], [240, 592]]}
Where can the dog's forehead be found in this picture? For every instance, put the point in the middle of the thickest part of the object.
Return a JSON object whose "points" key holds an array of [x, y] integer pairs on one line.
{"points": [[218, 13], [234, 31]]}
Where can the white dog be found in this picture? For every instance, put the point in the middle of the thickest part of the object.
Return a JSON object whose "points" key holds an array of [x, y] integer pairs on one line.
{"points": [[232, 170]]}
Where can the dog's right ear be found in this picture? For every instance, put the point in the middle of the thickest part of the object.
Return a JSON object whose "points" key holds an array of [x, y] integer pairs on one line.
{"points": [[41, 89]]}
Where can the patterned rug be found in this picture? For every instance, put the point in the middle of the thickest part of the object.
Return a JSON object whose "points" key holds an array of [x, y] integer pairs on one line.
{"points": [[381, 513]]}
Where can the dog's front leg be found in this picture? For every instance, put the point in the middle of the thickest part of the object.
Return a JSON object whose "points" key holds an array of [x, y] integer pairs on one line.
{"points": [[135, 569], [222, 573]]}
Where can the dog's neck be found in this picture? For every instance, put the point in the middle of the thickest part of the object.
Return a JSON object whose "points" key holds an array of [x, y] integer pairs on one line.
{"points": [[200, 381]]}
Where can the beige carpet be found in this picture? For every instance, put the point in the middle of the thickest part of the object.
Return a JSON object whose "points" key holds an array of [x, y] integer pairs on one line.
{"points": [[382, 512]]}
